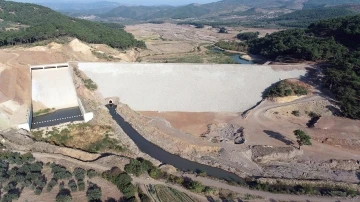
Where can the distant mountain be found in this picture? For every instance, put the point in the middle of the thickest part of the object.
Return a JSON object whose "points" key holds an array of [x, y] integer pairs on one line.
{"points": [[216, 11], [302, 18], [78, 7], [327, 3], [193, 10]]}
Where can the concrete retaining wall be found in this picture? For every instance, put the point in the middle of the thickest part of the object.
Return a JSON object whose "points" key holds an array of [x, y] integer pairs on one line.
{"points": [[27, 126], [87, 116]]}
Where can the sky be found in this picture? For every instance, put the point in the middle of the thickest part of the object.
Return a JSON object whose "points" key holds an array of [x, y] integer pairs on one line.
{"points": [[132, 2]]}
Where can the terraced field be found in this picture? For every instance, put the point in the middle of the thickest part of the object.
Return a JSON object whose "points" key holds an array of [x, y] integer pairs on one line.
{"points": [[164, 194]]}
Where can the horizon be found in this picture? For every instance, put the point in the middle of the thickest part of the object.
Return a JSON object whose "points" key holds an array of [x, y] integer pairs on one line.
{"points": [[125, 2]]}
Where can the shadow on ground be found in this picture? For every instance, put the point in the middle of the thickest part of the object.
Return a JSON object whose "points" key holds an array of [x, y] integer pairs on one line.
{"points": [[279, 137]]}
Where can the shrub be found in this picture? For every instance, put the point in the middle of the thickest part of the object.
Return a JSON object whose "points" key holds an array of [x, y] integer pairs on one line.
{"points": [[138, 166], [123, 182], [93, 193], [64, 196], [285, 88], [302, 138], [79, 173], [248, 35], [38, 190], [196, 186], [72, 185], [295, 113], [91, 173], [60, 172], [81, 185], [11, 195]]}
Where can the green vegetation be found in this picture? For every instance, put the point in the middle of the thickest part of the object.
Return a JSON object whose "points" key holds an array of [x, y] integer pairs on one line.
{"points": [[164, 193], [69, 137], [105, 144], [302, 18], [138, 166], [64, 195], [122, 181], [232, 45], [248, 36], [91, 173], [343, 79], [302, 138], [43, 23], [94, 193], [296, 44], [54, 137], [336, 41], [42, 112], [186, 59], [89, 84], [305, 189], [60, 172], [285, 88]]}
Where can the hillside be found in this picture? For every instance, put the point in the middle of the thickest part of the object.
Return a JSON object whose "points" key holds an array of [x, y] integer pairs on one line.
{"points": [[193, 10], [336, 41], [28, 23], [302, 18], [326, 3]]}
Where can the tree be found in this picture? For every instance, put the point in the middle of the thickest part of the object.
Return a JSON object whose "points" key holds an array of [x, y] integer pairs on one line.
{"points": [[79, 173], [196, 186], [302, 138], [64, 195], [93, 193], [72, 185], [248, 35]]}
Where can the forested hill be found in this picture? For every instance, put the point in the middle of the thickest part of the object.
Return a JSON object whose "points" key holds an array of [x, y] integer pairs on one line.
{"points": [[302, 18], [27, 23], [320, 41], [336, 41]]}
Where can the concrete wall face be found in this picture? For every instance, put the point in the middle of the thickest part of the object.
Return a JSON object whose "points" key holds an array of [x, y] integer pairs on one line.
{"points": [[53, 88], [185, 87]]}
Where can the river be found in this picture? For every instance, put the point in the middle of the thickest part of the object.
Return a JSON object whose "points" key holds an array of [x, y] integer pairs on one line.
{"points": [[236, 57], [166, 157]]}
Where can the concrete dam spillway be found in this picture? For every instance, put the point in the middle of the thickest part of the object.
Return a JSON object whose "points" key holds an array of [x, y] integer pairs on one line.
{"points": [[53, 88], [185, 87], [54, 99]]}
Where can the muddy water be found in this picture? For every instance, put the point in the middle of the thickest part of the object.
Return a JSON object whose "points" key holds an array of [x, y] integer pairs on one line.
{"points": [[166, 157]]}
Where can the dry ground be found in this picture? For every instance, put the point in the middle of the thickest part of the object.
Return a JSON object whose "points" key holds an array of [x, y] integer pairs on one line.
{"points": [[15, 84], [171, 42]]}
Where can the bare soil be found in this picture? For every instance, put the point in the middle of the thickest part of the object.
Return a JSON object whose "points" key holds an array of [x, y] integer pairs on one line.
{"points": [[15, 83], [171, 42]]}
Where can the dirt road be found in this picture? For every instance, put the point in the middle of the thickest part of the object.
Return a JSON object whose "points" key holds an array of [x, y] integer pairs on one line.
{"points": [[266, 195], [208, 182]]}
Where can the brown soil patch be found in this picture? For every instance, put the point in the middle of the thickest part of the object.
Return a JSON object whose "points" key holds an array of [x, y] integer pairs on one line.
{"points": [[192, 122], [338, 132]]}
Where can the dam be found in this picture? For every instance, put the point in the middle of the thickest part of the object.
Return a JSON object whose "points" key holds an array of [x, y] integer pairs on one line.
{"points": [[186, 87]]}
